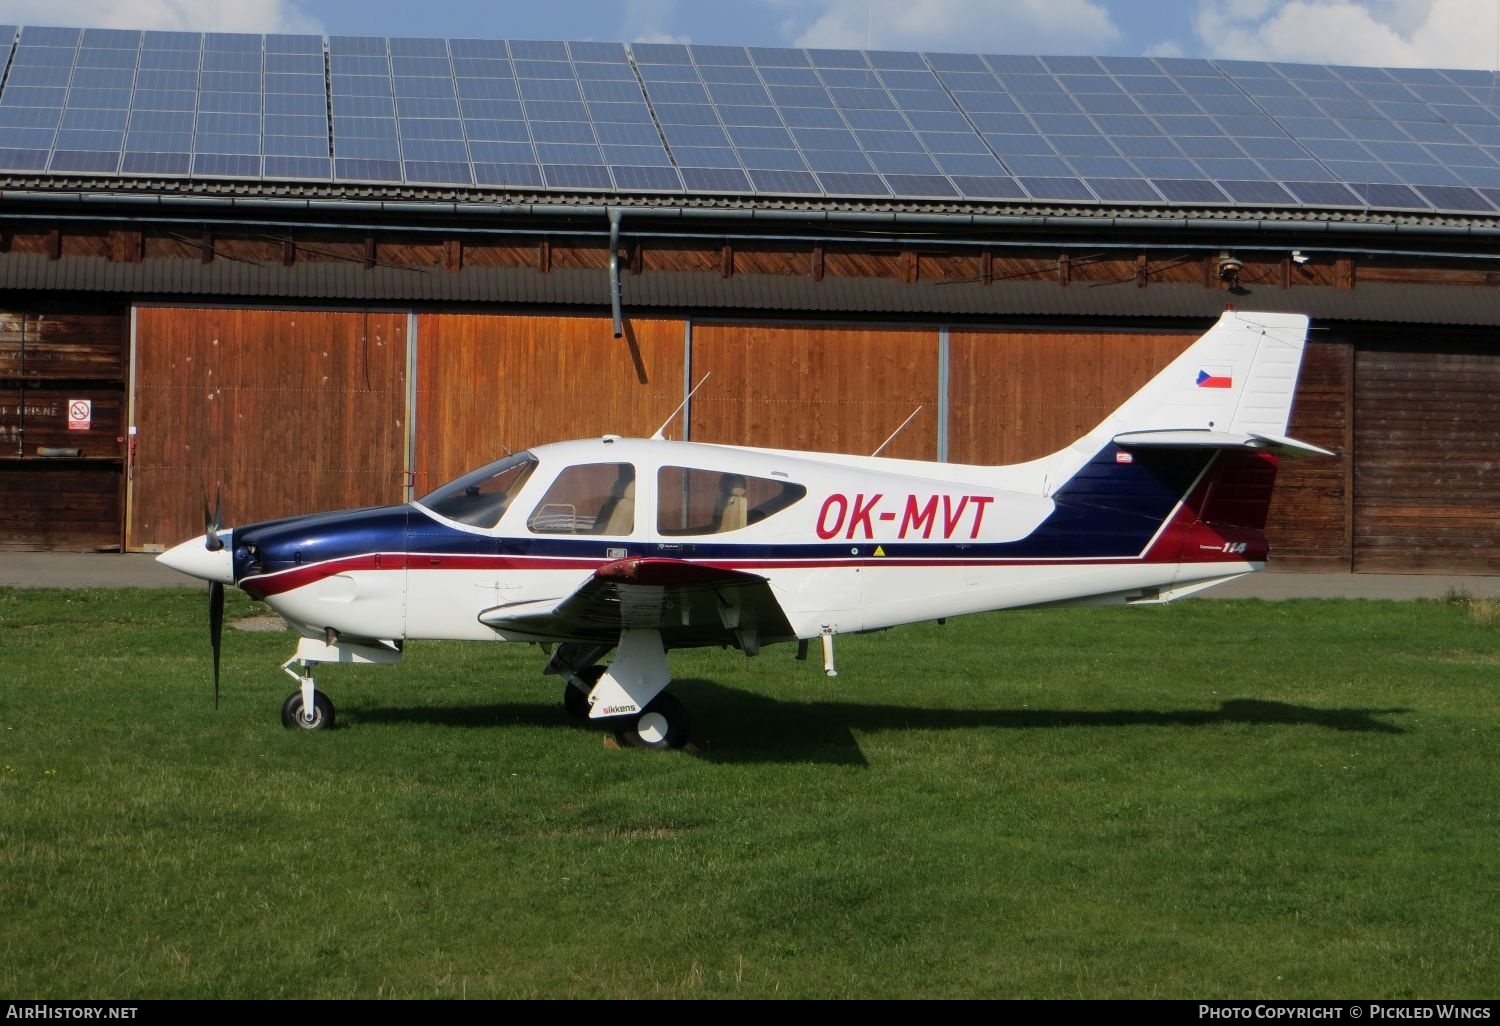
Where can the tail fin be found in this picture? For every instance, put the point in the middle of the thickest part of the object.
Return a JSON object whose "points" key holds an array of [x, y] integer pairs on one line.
{"points": [[1237, 379], [1192, 455], [1230, 389]]}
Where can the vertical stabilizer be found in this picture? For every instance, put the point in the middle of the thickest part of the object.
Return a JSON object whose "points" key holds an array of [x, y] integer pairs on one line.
{"points": [[1238, 378]]}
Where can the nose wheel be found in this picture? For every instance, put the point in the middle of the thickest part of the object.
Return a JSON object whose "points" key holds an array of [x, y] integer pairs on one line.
{"points": [[294, 709]]}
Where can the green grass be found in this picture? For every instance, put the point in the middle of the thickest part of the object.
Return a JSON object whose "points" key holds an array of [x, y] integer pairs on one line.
{"points": [[1212, 799]]}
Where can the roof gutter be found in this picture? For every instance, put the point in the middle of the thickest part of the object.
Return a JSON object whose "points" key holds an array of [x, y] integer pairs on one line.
{"points": [[984, 229], [769, 216]]}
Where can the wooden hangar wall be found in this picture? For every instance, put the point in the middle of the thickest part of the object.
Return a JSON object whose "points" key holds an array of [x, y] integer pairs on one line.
{"points": [[291, 410], [296, 409], [62, 406]]}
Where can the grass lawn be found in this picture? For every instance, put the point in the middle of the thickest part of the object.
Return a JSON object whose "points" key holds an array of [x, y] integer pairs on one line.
{"points": [[1211, 799]]}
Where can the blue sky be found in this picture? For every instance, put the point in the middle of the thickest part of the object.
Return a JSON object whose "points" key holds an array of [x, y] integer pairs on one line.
{"points": [[1431, 33]]}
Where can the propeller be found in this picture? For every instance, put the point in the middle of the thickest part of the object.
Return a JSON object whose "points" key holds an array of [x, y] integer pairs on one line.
{"points": [[216, 628], [212, 522], [213, 543]]}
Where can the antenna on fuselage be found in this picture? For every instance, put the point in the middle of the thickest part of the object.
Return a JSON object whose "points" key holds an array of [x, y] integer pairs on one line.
{"points": [[896, 432], [659, 437]]}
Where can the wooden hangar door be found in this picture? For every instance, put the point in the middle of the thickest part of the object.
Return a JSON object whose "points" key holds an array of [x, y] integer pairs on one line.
{"points": [[1020, 395], [488, 383], [1309, 520], [290, 411], [830, 388], [1426, 434]]}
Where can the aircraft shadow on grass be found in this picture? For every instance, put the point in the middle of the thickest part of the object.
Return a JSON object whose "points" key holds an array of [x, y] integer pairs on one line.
{"points": [[739, 726]]}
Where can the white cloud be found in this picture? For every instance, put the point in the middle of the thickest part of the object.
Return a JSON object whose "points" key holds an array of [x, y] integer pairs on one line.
{"points": [[648, 21], [191, 15], [1399, 33], [1017, 26]]}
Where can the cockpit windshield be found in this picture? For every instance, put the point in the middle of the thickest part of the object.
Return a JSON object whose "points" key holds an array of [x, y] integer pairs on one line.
{"points": [[480, 497]]}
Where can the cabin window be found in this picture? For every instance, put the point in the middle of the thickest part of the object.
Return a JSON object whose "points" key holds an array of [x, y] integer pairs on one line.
{"points": [[480, 497], [690, 501], [594, 498]]}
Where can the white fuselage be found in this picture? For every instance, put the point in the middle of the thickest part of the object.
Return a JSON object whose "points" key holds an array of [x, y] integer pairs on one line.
{"points": [[871, 544]]}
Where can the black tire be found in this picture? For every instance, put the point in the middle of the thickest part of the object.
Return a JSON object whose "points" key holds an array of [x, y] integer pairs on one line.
{"points": [[575, 700], [661, 725], [291, 712]]}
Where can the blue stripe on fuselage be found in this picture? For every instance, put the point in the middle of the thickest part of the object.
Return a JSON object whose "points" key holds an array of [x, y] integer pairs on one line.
{"points": [[318, 537], [1107, 510]]}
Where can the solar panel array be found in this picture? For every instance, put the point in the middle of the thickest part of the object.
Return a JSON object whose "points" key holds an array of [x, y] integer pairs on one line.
{"points": [[747, 121]]}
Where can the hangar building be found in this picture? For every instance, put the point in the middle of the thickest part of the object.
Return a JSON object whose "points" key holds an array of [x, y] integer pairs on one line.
{"points": [[325, 272]]}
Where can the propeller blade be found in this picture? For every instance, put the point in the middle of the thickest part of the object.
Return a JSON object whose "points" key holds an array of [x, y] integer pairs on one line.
{"points": [[212, 524], [216, 628]]}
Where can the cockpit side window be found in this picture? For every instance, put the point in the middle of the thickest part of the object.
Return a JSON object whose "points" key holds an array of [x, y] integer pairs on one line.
{"points": [[700, 502], [593, 498], [480, 497]]}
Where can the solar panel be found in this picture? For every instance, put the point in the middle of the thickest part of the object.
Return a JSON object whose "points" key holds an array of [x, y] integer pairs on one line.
{"points": [[667, 117], [1056, 188], [1455, 199]]}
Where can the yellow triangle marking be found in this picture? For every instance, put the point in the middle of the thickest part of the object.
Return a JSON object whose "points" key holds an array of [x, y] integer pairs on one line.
{"points": [[879, 551]]}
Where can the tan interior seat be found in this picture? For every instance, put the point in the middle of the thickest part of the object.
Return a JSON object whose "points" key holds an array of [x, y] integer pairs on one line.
{"points": [[622, 514], [732, 512]]}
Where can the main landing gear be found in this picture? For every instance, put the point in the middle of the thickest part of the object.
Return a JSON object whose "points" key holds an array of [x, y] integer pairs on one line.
{"points": [[627, 696], [663, 724]]}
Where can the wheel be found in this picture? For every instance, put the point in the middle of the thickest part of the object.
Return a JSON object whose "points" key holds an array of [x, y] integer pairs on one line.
{"points": [[291, 712], [663, 724], [575, 700]]}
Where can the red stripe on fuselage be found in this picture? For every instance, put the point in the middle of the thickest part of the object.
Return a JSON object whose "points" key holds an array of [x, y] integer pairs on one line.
{"points": [[300, 576], [283, 581]]}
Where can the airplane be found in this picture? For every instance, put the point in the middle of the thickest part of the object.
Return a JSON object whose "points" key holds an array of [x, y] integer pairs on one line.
{"points": [[646, 545]]}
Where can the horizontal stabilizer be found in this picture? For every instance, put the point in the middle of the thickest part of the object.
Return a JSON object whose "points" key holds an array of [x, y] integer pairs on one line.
{"points": [[1198, 439]]}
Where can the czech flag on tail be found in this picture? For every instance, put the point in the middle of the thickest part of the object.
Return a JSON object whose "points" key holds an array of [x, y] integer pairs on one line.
{"points": [[1216, 377]]}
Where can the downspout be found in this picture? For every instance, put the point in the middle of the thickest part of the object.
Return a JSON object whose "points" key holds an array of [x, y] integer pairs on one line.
{"points": [[614, 270]]}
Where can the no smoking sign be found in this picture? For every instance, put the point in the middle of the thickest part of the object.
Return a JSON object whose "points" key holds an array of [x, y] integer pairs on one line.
{"points": [[80, 414]]}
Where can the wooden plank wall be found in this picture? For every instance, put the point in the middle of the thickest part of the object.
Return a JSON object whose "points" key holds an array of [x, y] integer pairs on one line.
{"points": [[322, 394], [50, 357], [1308, 522], [291, 411], [44, 421], [1426, 491], [828, 388], [62, 345], [64, 504], [1020, 395], [1014, 396], [487, 383]]}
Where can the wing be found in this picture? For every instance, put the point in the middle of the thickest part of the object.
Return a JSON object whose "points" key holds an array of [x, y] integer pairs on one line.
{"points": [[692, 604]]}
